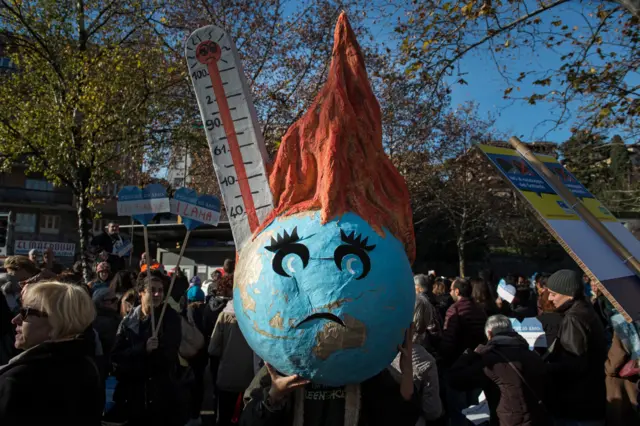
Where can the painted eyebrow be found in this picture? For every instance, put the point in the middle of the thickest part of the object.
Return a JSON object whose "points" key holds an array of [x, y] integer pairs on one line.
{"points": [[356, 240], [283, 239]]}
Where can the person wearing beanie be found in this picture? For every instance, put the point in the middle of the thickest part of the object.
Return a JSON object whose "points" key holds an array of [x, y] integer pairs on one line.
{"points": [[107, 317], [195, 281], [575, 360], [195, 315], [103, 276]]}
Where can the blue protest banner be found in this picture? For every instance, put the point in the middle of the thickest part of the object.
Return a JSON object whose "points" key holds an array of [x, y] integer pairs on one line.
{"points": [[143, 204], [195, 209], [532, 331]]}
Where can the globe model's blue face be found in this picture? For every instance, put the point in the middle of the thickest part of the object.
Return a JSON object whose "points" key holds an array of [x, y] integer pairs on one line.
{"points": [[328, 302]]}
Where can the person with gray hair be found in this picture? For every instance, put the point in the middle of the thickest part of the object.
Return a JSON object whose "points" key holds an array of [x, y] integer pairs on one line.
{"points": [[511, 376], [425, 319], [497, 324]]}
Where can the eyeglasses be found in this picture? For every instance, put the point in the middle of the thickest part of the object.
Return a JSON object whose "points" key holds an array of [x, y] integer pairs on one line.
{"points": [[31, 312]]}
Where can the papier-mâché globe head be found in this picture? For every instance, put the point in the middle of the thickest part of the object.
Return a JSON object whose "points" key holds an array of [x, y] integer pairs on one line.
{"points": [[325, 288]]}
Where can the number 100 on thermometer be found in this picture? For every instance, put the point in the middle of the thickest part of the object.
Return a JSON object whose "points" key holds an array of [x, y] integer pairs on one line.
{"points": [[232, 129]]}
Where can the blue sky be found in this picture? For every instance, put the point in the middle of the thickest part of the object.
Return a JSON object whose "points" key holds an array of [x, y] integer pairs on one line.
{"points": [[486, 87], [516, 118]]}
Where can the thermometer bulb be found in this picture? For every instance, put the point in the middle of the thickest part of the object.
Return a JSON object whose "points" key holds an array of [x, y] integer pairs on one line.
{"points": [[208, 51]]}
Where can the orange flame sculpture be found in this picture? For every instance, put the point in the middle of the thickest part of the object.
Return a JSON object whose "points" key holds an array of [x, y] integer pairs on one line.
{"points": [[332, 159]]}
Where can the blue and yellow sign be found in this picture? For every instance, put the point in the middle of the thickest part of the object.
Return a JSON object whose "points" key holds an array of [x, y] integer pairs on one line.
{"points": [[536, 189]]}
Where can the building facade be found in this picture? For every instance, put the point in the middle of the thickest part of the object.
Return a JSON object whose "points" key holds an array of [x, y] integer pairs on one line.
{"points": [[42, 215], [178, 170]]}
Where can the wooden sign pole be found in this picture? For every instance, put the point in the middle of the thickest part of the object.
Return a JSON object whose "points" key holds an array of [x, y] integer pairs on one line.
{"points": [[173, 278], [593, 222], [146, 248]]}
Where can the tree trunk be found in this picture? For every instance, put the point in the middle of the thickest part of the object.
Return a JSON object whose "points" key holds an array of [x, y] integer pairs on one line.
{"points": [[83, 230], [461, 259]]}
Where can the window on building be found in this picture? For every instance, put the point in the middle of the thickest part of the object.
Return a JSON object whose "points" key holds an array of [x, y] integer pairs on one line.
{"points": [[25, 222], [99, 226], [177, 182], [49, 224], [6, 64], [39, 185]]}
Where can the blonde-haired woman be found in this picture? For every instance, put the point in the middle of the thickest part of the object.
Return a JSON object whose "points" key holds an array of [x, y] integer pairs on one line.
{"points": [[55, 371]]}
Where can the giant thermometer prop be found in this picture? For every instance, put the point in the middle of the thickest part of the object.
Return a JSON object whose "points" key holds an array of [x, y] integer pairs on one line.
{"points": [[232, 129]]}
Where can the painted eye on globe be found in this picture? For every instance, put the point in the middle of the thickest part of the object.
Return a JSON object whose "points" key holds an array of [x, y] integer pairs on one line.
{"points": [[353, 260], [290, 259], [291, 256], [292, 263], [353, 265], [352, 256]]}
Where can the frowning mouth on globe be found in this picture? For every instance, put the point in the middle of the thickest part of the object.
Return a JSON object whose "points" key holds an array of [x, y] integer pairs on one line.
{"points": [[321, 316]]}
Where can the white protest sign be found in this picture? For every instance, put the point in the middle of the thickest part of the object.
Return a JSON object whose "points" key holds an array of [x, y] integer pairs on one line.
{"points": [[506, 291], [123, 248], [59, 249], [140, 207], [143, 204], [478, 414], [531, 330]]}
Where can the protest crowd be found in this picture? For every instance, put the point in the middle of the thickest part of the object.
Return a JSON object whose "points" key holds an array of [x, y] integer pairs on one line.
{"points": [[321, 324], [83, 353]]}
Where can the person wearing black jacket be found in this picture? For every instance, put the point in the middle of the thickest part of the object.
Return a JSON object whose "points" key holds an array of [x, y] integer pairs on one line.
{"points": [[210, 314], [273, 399], [55, 381], [511, 376], [7, 332], [575, 363], [146, 366], [103, 246]]}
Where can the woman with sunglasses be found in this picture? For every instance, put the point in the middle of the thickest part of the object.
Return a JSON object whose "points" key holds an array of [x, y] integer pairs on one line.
{"points": [[55, 380]]}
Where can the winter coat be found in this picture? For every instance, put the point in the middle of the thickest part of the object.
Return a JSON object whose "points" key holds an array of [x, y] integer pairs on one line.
{"points": [[53, 383], [511, 401], [575, 365], [195, 316], [604, 309], [621, 392], [11, 291], [442, 303], [147, 386], [106, 324], [380, 404], [428, 326], [463, 329], [425, 381], [106, 242], [551, 322], [7, 332], [235, 370], [212, 310]]}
